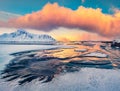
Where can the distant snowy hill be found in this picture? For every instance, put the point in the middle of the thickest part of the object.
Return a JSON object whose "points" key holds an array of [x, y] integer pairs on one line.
{"points": [[116, 43], [22, 36]]}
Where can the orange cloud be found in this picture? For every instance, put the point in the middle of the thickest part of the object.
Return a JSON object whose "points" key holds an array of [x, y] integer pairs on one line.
{"points": [[53, 16], [65, 34]]}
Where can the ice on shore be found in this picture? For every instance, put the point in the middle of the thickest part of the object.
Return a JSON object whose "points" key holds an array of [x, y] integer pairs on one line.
{"points": [[87, 79], [96, 54], [80, 50]]}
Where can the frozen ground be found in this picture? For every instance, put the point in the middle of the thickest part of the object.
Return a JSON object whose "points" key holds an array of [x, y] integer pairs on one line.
{"points": [[6, 50], [70, 70], [87, 79], [96, 54]]}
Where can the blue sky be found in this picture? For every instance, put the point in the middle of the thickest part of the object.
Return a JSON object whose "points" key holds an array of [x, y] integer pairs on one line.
{"points": [[28, 6], [96, 19]]}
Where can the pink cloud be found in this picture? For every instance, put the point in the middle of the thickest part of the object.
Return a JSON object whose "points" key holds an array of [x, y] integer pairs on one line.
{"points": [[53, 16]]}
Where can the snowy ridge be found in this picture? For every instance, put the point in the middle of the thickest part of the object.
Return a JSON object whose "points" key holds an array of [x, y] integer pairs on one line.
{"points": [[24, 36], [116, 43], [117, 40]]}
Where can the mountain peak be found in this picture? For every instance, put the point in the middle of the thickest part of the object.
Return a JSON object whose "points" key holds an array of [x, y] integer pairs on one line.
{"points": [[21, 31], [23, 36]]}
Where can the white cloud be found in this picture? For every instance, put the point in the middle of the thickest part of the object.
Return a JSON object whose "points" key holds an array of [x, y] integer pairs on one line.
{"points": [[4, 16], [114, 9], [83, 1]]}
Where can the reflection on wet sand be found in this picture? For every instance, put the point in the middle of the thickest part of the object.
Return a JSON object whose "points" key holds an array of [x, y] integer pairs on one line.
{"points": [[44, 65]]}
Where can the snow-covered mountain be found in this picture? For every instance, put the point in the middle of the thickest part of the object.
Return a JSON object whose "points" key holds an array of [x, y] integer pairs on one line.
{"points": [[25, 37], [116, 43]]}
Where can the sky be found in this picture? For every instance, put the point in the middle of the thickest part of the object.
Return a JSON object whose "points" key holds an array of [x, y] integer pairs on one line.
{"points": [[65, 20]]}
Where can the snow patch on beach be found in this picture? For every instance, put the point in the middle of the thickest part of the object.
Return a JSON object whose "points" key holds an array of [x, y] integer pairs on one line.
{"points": [[87, 79], [96, 54]]}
